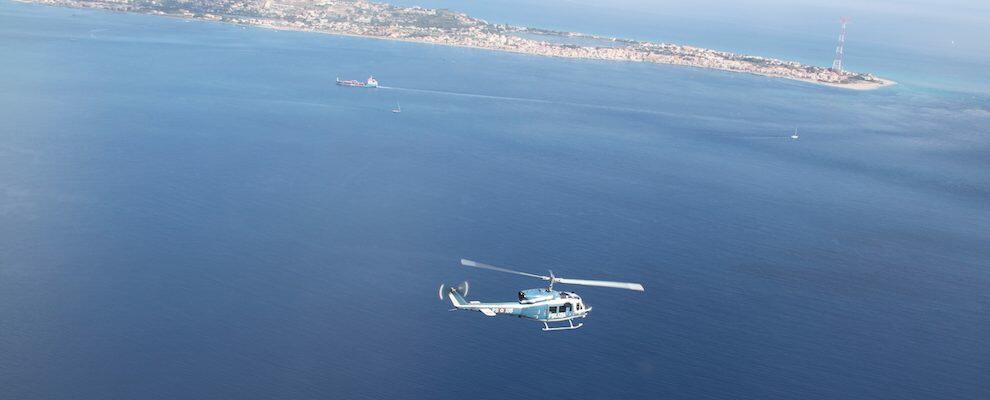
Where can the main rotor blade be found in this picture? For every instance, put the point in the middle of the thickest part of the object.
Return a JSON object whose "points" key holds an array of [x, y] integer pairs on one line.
{"points": [[617, 285], [469, 263]]}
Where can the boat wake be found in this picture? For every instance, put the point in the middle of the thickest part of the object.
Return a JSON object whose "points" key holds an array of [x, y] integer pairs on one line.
{"points": [[474, 95], [93, 32], [632, 110], [532, 100]]}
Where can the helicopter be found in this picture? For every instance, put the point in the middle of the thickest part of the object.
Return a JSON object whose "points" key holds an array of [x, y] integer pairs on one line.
{"points": [[545, 305]]}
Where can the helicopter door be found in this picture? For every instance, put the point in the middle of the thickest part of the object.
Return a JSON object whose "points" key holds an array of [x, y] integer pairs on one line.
{"points": [[559, 311]]}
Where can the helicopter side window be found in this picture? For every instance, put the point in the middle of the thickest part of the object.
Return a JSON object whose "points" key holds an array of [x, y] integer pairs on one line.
{"points": [[553, 309]]}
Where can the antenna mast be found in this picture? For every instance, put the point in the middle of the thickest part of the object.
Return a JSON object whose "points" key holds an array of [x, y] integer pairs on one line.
{"points": [[839, 51]]}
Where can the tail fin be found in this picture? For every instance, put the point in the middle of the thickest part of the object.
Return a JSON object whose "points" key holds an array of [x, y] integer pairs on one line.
{"points": [[456, 294], [456, 299]]}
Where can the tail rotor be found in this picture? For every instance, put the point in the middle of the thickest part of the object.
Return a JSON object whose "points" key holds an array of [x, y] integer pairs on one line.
{"points": [[462, 289]]}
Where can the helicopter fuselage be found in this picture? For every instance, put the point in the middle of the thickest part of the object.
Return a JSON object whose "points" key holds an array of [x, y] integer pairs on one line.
{"points": [[541, 305]]}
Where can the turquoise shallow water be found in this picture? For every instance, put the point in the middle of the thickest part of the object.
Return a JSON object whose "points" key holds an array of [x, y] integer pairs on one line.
{"points": [[194, 210], [933, 45]]}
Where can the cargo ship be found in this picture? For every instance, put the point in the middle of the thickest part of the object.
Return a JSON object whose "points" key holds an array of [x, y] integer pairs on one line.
{"points": [[370, 83]]}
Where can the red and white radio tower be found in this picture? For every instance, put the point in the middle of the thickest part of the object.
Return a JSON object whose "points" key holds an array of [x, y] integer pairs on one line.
{"points": [[837, 62]]}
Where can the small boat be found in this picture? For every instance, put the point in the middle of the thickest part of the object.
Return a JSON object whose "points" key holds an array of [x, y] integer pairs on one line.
{"points": [[397, 108], [370, 83], [795, 135]]}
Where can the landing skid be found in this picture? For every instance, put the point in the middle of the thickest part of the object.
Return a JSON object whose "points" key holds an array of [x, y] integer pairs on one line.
{"points": [[546, 327]]}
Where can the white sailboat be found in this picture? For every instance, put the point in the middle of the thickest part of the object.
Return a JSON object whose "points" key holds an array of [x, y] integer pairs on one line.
{"points": [[397, 109], [795, 135]]}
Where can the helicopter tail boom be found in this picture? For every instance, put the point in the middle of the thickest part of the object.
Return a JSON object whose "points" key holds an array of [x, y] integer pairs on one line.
{"points": [[456, 296]]}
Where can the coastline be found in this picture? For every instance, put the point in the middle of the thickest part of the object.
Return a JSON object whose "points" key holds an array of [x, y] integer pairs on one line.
{"points": [[849, 86], [645, 52]]}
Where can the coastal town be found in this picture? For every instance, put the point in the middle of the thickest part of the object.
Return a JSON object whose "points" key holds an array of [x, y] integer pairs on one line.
{"points": [[444, 27]]}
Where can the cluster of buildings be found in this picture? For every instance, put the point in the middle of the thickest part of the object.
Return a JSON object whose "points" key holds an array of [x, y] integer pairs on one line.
{"points": [[445, 27]]}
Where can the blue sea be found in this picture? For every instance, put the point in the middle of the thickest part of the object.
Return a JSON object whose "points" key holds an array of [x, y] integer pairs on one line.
{"points": [[193, 210]]}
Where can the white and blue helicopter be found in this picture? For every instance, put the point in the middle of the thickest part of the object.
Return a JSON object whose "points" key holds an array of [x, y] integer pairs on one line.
{"points": [[543, 305]]}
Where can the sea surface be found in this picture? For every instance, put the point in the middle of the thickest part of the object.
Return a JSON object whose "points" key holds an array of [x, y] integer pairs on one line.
{"points": [[194, 210]]}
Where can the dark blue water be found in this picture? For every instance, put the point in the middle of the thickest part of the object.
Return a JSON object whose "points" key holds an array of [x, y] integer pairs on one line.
{"points": [[194, 210]]}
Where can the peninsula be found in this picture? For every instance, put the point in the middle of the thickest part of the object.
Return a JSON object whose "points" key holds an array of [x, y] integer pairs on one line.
{"points": [[445, 27]]}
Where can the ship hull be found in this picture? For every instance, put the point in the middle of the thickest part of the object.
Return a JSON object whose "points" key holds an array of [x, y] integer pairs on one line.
{"points": [[352, 83]]}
